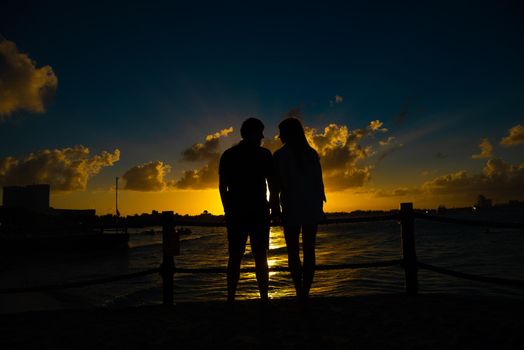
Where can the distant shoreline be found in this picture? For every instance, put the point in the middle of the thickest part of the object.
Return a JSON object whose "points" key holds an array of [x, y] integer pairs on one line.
{"points": [[499, 212]]}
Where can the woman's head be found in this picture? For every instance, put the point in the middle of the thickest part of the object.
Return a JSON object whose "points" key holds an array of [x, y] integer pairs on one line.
{"points": [[292, 132]]}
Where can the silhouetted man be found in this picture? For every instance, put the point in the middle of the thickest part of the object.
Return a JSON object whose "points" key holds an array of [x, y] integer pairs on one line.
{"points": [[244, 170]]}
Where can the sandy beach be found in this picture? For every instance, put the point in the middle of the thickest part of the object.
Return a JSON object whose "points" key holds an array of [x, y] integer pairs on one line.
{"points": [[376, 321]]}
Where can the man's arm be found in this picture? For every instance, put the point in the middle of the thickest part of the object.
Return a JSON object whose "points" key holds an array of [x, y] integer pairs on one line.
{"points": [[223, 184], [222, 187], [274, 189]]}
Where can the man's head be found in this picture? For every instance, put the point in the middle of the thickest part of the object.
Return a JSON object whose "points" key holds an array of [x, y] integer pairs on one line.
{"points": [[252, 131]]}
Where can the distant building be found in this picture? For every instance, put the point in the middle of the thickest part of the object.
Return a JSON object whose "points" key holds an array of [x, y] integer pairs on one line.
{"points": [[32, 197], [483, 202], [26, 211]]}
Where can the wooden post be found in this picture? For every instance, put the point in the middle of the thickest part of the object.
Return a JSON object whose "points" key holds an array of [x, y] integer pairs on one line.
{"points": [[407, 229], [168, 261]]}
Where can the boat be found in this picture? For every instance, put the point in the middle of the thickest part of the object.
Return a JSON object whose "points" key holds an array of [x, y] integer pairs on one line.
{"points": [[149, 232], [183, 231]]}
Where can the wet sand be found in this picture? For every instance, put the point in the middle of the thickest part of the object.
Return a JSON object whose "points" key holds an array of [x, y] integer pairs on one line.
{"points": [[367, 322]]}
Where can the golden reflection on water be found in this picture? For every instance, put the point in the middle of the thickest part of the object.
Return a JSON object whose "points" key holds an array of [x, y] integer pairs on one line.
{"points": [[326, 282], [285, 287]]}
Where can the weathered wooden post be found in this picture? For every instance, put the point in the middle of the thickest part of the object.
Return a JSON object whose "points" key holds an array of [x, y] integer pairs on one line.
{"points": [[170, 248], [407, 230]]}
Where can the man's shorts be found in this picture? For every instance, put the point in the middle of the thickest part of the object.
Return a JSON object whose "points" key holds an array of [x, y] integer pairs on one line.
{"points": [[237, 234]]}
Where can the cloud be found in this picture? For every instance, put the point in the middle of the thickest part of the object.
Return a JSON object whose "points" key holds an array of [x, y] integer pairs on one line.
{"points": [[401, 117], [388, 147], [498, 179], [66, 169], [440, 155], [389, 151], [209, 152], [387, 142], [338, 100], [342, 155], [486, 149], [398, 192], [147, 177], [272, 143], [515, 136], [202, 178], [295, 112], [22, 85]]}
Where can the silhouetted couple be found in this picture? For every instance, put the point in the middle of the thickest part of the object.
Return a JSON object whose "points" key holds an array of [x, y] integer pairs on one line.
{"points": [[294, 177]]}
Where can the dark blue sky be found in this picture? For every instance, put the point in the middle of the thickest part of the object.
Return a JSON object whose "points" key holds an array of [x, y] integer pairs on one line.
{"points": [[152, 79]]}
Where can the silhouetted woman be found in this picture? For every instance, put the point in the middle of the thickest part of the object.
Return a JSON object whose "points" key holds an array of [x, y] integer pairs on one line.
{"points": [[301, 197]]}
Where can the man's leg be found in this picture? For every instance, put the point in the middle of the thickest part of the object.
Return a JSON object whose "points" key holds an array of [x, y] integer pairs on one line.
{"points": [[236, 246], [292, 233], [261, 271]]}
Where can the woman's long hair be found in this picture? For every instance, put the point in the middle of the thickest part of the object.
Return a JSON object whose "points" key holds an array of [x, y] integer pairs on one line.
{"points": [[292, 134]]}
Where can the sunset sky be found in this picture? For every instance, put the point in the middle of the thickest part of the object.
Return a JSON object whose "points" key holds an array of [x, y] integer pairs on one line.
{"points": [[417, 102]]}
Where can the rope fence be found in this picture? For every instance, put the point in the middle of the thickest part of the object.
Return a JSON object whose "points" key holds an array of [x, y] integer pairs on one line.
{"points": [[494, 280], [409, 262], [470, 222], [78, 284], [385, 263]]}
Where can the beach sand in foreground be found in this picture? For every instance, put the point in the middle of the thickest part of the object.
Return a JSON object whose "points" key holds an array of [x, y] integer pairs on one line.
{"points": [[377, 322]]}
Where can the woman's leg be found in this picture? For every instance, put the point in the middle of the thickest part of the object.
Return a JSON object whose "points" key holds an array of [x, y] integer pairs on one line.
{"points": [[309, 234], [292, 233]]}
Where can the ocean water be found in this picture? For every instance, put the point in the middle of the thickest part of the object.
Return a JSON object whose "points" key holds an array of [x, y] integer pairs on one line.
{"points": [[476, 250]]}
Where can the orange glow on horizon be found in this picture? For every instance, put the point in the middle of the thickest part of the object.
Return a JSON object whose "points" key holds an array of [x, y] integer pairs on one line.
{"points": [[134, 202], [194, 202]]}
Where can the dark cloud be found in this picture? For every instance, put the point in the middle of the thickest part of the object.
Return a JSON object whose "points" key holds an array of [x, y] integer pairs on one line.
{"points": [[65, 169], [498, 179], [22, 85], [295, 112], [388, 147], [209, 152], [202, 178], [147, 177], [402, 115]]}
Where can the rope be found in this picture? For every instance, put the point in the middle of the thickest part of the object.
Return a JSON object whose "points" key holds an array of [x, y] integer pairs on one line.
{"points": [[470, 222], [184, 270], [326, 222], [361, 219], [80, 283], [385, 263], [495, 280]]}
